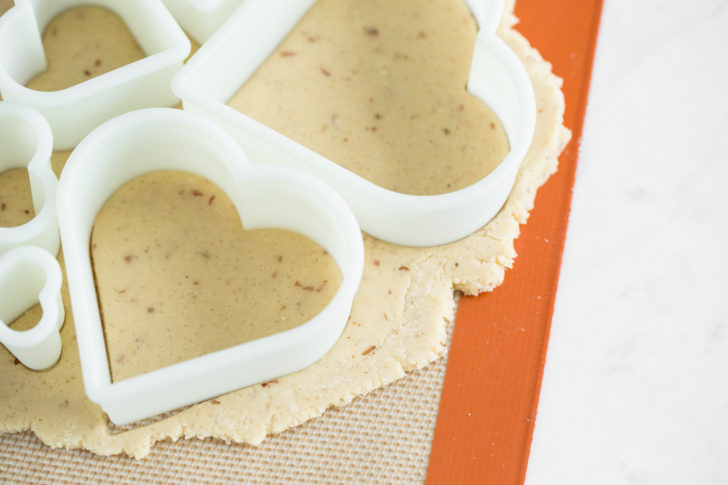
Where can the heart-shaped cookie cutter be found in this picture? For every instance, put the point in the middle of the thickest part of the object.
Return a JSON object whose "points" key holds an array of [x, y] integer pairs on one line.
{"points": [[200, 18], [265, 196], [497, 77], [26, 141], [75, 111], [30, 275]]}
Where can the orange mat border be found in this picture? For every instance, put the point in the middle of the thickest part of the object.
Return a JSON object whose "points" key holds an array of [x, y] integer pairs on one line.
{"points": [[493, 379]]}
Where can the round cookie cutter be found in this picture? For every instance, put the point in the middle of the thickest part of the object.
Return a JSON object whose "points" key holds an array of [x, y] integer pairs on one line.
{"points": [[265, 196], [497, 77], [200, 18], [26, 141], [75, 111], [30, 275]]}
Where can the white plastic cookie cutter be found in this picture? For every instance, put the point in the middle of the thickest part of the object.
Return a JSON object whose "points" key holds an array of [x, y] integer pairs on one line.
{"points": [[26, 141], [30, 275], [265, 196], [200, 18], [75, 111], [497, 77]]}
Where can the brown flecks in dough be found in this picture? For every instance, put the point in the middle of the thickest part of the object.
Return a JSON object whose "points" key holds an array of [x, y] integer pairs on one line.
{"points": [[307, 288], [121, 292], [310, 38], [386, 317], [287, 54], [214, 402], [3, 206], [211, 200], [197, 193], [325, 72], [369, 350], [403, 268], [297, 283], [26, 211], [275, 274], [268, 383], [377, 116], [446, 131], [16, 361], [376, 262], [196, 278], [417, 85], [82, 43], [457, 264], [129, 258], [492, 126]]}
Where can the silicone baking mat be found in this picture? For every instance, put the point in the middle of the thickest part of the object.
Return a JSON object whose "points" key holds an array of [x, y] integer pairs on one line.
{"points": [[483, 423]]}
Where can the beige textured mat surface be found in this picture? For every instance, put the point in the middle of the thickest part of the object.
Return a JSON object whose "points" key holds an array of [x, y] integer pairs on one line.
{"points": [[383, 437]]}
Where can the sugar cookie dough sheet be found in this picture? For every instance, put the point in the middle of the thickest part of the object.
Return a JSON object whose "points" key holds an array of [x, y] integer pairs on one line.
{"points": [[397, 324]]}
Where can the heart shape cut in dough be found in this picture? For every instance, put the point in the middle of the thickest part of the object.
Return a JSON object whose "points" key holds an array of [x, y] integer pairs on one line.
{"points": [[265, 196], [30, 275], [73, 112], [497, 77]]}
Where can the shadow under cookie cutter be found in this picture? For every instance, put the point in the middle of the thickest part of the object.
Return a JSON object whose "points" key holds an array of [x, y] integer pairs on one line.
{"points": [[497, 77], [75, 111], [149, 140]]}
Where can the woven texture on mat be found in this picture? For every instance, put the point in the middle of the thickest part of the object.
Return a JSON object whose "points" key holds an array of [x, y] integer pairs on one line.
{"points": [[382, 437]]}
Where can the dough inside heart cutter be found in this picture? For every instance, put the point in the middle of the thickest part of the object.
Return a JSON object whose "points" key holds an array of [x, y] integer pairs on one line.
{"points": [[497, 78], [264, 196], [75, 111]]}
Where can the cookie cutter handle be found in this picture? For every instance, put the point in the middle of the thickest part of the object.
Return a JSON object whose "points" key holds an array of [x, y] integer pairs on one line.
{"points": [[30, 275]]}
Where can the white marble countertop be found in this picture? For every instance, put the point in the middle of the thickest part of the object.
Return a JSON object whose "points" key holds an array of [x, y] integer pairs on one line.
{"points": [[635, 389]]}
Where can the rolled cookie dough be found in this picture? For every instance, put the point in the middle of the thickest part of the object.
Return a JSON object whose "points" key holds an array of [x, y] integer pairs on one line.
{"points": [[397, 324]]}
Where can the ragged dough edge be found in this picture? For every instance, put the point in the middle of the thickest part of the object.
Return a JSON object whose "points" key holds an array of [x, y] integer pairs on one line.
{"points": [[407, 327]]}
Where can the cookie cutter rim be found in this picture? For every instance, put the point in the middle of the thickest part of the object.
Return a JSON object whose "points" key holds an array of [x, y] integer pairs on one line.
{"points": [[395, 217], [42, 229], [200, 18], [130, 135], [39, 347], [74, 111]]}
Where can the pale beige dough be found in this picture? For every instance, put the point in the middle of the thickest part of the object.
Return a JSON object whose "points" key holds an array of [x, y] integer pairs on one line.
{"points": [[178, 277], [397, 323], [379, 88], [16, 202]]}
